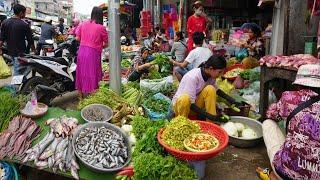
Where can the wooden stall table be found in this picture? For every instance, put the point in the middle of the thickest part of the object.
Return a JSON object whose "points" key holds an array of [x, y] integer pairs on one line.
{"points": [[84, 172], [267, 75]]}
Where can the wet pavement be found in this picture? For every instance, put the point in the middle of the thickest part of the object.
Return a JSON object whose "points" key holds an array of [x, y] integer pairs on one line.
{"points": [[237, 164]]}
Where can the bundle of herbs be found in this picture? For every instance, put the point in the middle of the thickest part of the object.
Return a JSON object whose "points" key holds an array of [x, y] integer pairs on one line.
{"points": [[150, 161], [103, 96], [9, 108], [155, 166], [156, 104]]}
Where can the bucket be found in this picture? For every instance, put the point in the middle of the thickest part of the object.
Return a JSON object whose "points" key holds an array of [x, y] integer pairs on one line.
{"points": [[310, 44], [310, 47], [200, 167]]}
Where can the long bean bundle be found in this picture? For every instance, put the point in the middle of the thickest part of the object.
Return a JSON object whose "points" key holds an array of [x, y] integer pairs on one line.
{"points": [[9, 107]]}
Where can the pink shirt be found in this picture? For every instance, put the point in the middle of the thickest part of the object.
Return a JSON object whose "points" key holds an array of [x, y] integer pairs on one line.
{"points": [[192, 84], [92, 35]]}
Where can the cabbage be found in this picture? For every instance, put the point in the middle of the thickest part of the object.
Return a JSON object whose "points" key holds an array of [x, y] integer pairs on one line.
{"points": [[239, 126], [231, 129], [249, 134], [132, 139], [127, 128]]}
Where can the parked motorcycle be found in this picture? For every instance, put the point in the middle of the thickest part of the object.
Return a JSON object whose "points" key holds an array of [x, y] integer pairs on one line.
{"points": [[50, 76]]}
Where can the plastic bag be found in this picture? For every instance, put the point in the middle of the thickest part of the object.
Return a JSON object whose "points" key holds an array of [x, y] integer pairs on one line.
{"points": [[254, 99], [156, 84], [157, 116], [5, 71], [243, 53]]}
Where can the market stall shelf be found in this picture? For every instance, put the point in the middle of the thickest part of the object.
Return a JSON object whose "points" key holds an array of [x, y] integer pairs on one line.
{"points": [[267, 75], [84, 172]]}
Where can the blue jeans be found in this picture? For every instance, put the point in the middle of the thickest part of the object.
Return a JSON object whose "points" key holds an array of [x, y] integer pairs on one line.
{"points": [[183, 71], [16, 67]]}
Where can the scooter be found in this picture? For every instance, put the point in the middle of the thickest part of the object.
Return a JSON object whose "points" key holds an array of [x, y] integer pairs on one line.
{"points": [[47, 49], [50, 76]]}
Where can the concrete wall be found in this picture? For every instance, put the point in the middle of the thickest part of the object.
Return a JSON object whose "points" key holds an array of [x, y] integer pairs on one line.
{"points": [[297, 26]]}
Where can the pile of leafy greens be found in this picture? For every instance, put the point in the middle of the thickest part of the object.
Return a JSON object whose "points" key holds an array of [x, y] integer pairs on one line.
{"points": [[150, 161]]}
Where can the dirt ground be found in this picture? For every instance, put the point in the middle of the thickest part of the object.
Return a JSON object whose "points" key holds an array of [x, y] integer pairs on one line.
{"points": [[233, 164]]}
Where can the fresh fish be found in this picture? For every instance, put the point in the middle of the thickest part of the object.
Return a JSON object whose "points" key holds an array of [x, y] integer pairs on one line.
{"points": [[74, 172], [41, 164], [101, 147], [41, 146], [61, 167], [61, 147], [50, 150], [50, 162]]}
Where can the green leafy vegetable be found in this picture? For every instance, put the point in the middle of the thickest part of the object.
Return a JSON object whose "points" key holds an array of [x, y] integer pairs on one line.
{"points": [[148, 142], [126, 63], [103, 96], [251, 74], [150, 166], [157, 105], [140, 125], [165, 67], [9, 108]]}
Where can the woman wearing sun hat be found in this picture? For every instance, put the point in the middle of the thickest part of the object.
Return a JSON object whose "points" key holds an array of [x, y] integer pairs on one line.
{"points": [[295, 155]]}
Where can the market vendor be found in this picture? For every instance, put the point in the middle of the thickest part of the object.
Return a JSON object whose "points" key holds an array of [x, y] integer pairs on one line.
{"points": [[197, 90], [254, 45], [196, 23], [179, 47], [196, 57], [296, 154], [140, 65]]}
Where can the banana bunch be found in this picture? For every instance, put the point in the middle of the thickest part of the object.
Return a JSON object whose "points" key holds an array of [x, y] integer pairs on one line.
{"points": [[133, 96]]}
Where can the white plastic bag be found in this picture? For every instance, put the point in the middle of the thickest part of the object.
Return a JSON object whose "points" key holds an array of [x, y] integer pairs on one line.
{"points": [[156, 85]]}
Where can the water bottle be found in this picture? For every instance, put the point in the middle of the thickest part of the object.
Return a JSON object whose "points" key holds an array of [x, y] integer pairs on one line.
{"points": [[34, 101]]}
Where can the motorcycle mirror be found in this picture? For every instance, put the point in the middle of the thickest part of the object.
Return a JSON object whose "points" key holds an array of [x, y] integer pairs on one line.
{"points": [[49, 41]]}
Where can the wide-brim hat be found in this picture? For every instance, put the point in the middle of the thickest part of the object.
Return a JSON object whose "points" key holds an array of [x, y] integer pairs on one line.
{"points": [[308, 75]]}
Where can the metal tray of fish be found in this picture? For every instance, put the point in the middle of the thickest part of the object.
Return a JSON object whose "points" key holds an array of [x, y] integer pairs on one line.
{"points": [[102, 147]]}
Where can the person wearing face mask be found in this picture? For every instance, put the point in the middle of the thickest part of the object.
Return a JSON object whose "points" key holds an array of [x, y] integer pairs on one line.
{"points": [[196, 23]]}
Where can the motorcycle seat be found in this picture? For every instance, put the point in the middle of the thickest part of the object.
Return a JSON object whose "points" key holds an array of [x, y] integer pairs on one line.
{"points": [[59, 60]]}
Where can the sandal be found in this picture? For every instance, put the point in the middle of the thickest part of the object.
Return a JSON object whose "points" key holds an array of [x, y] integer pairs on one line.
{"points": [[264, 174]]}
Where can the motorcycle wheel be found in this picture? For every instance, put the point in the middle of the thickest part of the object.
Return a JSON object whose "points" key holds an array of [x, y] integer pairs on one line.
{"points": [[30, 85]]}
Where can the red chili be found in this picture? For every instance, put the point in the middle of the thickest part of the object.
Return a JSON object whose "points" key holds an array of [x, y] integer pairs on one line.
{"points": [[126, 172], [127, 168]]}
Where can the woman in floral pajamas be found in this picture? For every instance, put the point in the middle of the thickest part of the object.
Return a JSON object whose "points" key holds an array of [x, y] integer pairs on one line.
{"points": [[295, 155]]}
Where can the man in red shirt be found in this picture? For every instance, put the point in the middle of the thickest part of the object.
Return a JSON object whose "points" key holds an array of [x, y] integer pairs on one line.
{"points": [[196, 23]]}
